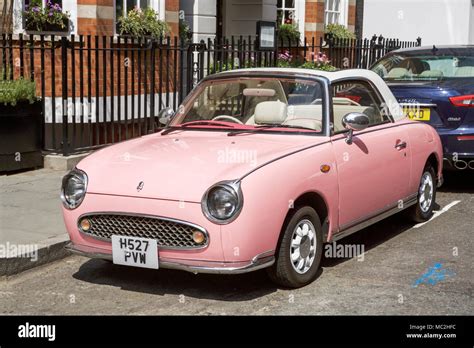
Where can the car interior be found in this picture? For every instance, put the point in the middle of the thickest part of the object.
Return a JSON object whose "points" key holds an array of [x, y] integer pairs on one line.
{"points": [[271, 102], [415, 67]]}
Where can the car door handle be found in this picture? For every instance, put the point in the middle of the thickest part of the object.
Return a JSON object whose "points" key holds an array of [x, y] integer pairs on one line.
{"points": [[401, 145]]}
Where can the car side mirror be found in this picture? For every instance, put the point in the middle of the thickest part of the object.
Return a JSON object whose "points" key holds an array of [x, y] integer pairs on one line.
{"points": [[354, 121], [165, 116]]}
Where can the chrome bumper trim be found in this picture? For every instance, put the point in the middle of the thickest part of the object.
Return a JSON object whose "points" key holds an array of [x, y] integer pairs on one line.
{"points": [[258, 262]]}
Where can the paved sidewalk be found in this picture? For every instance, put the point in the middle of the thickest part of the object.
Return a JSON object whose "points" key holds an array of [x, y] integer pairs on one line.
{"points": [[32, 230]]}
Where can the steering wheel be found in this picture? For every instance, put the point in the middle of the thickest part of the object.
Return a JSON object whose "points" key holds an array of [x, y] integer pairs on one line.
{"points": [[226, 117]]}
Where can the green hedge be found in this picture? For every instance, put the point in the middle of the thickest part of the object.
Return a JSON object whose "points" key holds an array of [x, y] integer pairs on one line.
{"points": [[15, 91]]}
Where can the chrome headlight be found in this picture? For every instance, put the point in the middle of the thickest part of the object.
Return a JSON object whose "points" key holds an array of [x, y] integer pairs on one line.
{"points": [[223, 202], [73, 189]]}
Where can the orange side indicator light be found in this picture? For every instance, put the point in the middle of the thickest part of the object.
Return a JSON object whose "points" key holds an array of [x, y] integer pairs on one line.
{"points": [[325, 168]]}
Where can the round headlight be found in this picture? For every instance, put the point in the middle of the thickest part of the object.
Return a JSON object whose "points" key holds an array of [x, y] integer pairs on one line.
{"points": [[74, 188], [222, 202]]}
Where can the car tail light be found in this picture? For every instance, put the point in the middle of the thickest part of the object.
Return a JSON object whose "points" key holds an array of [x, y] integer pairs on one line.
{"points": [[463, 100], [465, 137]]}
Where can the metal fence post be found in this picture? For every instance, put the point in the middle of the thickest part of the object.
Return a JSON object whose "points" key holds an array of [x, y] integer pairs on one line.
{"points": [[64, 89], [151, 127]]}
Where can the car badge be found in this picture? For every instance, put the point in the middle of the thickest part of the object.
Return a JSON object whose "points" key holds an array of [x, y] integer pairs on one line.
{"points": [[140, 186]]}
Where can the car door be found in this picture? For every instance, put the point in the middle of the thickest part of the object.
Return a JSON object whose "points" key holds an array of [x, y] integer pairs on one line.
{"points": [[374, 170]]}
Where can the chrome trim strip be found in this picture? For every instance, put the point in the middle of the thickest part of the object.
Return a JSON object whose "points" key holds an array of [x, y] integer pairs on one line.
{"points": [[426, 105], [366, 222], [260, 261], [190, 224]]}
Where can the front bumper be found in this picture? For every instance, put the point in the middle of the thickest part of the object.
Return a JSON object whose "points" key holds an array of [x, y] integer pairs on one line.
{"points": [[258, 262]]}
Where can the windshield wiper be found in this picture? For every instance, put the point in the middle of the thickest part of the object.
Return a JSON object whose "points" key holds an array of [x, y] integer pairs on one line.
{"points": [[265, 127], [195, 123]]}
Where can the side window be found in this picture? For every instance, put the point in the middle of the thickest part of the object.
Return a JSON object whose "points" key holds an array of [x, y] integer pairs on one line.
{"points": [[357, 96]]}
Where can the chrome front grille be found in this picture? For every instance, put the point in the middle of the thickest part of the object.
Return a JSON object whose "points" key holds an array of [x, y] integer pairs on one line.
{"points": [[169, 233]]}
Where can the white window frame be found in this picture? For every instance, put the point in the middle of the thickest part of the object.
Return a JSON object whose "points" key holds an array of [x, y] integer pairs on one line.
{"points": [[300, 14], [342, 12], [19, 6], [157, 5]]}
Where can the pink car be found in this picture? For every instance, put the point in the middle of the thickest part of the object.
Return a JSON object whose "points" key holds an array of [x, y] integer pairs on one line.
{"points": [[257, 169]]}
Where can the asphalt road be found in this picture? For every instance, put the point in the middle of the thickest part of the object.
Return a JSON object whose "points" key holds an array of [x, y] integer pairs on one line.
{"points": [[389, 279]]}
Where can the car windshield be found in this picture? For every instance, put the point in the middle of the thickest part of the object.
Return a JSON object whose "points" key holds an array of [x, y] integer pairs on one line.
{"points": [[254, 104], [398, 67]]}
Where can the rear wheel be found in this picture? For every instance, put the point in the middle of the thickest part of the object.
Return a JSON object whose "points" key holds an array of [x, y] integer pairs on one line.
{"points": [[423, 210], [299, 254]]}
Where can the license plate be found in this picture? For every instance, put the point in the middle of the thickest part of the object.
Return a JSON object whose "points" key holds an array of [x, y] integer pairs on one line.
{"points": [[135, 252], [418, 114]]}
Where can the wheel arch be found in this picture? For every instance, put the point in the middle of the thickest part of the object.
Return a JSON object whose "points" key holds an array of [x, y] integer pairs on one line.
{"points": [[434, 161], [316, 201]]}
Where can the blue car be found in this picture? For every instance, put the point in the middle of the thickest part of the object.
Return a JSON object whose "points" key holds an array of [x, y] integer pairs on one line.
{"points": [[436, 85]]}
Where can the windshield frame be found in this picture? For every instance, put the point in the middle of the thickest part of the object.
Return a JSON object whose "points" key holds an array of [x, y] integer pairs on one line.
{"points": [[324, 83]]}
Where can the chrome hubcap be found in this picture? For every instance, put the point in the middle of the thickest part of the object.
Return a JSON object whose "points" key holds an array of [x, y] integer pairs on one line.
{"points": [[303, 246], [426, 192]]}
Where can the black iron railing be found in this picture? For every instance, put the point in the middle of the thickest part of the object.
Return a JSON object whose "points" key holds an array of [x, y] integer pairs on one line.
{"points": [[97, 91]]}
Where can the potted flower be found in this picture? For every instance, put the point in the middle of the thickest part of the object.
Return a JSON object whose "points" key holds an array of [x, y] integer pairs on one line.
{"points": [[48, 18], [20, 126], [143, 24], [318, 61], [288, 35]]}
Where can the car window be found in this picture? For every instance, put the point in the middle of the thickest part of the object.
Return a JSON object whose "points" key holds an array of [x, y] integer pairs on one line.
{"points": [[398, 67], [357, 96], [292, 103]]}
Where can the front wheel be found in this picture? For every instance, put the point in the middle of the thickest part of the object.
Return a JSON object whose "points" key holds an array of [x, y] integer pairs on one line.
{"points": [[423, 210], [299, 254]]}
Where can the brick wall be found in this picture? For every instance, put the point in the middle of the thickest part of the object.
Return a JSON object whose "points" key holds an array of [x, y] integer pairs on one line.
{"points": [[314, 21], [172, 16], [95, 17]]}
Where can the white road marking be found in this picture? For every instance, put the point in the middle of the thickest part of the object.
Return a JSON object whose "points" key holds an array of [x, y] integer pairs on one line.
{"points": [[438, 213]]}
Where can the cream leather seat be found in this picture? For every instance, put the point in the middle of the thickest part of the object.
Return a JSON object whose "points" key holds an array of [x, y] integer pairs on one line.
{"points": [[270, 112], [277, 112], [465, 71], [432, 74], [308, 116], [397, 73]]}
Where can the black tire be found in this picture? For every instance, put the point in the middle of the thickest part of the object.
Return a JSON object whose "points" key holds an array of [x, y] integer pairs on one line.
{"points": [[282, 271], [416, 213]]}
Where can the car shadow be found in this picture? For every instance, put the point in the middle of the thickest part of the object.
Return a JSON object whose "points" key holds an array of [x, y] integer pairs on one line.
{"points": [[240, 287], [371, 237], [458, 181]]}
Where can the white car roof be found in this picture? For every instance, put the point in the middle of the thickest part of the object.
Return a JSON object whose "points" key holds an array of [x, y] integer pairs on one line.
{"points": [[332, 76]]}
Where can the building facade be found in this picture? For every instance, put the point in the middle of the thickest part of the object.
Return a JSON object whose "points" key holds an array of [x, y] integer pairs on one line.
{"points": [[99, 17], [225, 18], [206, 18], [437, 22]]}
